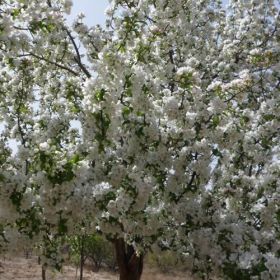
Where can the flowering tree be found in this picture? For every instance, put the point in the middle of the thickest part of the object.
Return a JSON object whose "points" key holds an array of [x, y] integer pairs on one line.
{"points": [[162, 129]]}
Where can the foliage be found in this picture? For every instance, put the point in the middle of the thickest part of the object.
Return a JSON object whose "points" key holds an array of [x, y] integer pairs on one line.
{"points": [[165, 261], [96, 250]]}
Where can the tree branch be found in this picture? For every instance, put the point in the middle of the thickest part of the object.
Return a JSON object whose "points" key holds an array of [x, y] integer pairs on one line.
{"points": [[77, 58], [53, 63]]}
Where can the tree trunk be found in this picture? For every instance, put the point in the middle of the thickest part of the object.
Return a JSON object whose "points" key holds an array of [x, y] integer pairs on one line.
{"points": [[82, 260], [44, 272], [130, 265]]}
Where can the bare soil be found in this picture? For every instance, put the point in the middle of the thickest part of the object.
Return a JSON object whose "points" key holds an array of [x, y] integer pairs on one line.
{"points": [[20, 268]]}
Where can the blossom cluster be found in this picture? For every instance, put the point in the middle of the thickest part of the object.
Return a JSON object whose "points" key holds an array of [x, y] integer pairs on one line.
{"points": [[163, 129]]}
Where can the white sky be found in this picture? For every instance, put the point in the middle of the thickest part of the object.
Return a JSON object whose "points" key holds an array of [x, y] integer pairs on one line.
{"points": [[93, 10]]}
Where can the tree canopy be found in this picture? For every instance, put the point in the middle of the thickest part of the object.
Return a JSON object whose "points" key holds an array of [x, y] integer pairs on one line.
{"points": [[162, 128]]}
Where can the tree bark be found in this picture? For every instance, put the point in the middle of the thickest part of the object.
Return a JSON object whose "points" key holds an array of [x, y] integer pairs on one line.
{"points": [[44, 277], [130, 265], [82, 260]]}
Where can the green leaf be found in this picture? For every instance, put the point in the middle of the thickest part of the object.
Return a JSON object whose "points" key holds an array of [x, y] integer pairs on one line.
{"points": [[2, 177], [268, 117], [126, 111], [75, 159], [99, 95], [232, 271], [16, 198], [15, 13], [186, 81], [278, 216], [215, 120], [62, 226], [216, 152]]}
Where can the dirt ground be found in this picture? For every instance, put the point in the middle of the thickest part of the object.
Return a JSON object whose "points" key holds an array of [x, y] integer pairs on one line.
{"points": [[27, 269]]}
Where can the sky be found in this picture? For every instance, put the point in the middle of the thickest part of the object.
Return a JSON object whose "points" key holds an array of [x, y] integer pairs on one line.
{"points": [[93, 10]]}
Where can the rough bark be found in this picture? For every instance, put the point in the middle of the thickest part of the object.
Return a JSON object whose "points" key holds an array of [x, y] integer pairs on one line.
{"points": [[130, 264]]}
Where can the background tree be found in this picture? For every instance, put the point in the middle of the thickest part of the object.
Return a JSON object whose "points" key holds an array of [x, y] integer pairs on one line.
{"points": [[163, 129]]}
